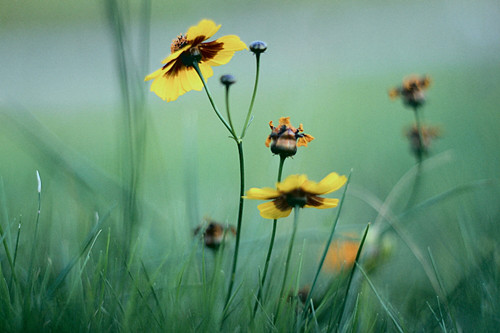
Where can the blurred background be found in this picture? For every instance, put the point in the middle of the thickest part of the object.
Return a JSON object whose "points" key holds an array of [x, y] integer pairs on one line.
{"points": [[68, 88]]}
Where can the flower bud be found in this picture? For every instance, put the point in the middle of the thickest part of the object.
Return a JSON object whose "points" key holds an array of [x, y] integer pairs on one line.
{"points": [[258, 47], [227, 80]]}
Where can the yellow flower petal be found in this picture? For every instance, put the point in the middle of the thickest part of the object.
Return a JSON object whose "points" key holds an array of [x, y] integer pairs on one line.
{"points": [[268, 210], [205, 28], [304, 140], [292, 182], [154, 75], [330, 183], [230, 45], [321, 203], [265, 193]]}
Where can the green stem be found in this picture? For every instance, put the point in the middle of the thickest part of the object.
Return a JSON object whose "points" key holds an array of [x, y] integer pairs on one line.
{"points": [[327, 246], [420, 135], [233, 133], [288, 257], [238, 227], [197, 69], [245, 126], [271, 245]]}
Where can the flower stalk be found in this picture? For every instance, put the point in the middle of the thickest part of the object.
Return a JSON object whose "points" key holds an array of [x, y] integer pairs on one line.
{"points": [[288, 257], [271, 245]]}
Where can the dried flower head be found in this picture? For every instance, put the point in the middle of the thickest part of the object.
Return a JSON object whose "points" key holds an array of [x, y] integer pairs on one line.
{"points": [[284, 139], [296, 191], [178, 75], [214, 233], [412, 91], [420, 142]]}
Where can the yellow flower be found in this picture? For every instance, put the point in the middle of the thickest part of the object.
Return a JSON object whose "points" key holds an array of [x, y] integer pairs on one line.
{"points": [[178, 76], [412, 91], [296, 190], [284, 139]]}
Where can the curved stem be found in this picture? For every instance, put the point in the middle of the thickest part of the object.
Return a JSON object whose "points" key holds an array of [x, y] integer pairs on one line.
{"points": [[288, 257], [197, 69], [245, 126], [270, 250], [238, 228]]}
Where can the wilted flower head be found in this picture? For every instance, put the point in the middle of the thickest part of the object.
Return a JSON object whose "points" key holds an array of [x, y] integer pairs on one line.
{"points": [[412, 91], [420, 145], [284, 139], [213, 234], [178, 75], [296, 191]]}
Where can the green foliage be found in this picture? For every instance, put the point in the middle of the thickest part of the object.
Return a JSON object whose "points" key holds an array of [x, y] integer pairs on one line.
{"points": [[108, 244]]}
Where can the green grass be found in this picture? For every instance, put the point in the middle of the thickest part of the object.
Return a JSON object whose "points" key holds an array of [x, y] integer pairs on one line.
{"points": [[124, 184]]}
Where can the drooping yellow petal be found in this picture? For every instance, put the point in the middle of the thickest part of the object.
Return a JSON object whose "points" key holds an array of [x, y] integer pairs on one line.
{"points": [[206, 70], [330, 183], [265, 193], [194, 80], [230, 44], [321, 203], [154, 75], [206, 28], [292, 182], [268, 210]]}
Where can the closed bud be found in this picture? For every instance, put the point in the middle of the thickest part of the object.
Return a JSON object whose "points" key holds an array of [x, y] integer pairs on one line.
{"points": [[258, 47]]}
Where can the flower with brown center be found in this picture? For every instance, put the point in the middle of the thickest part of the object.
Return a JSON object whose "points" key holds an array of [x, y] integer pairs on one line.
{"points": [[412, 91], [296, 191], [284, 139], [178, 75]]}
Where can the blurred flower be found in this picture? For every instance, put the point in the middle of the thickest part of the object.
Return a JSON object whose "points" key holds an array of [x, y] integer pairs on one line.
{"points": [[412, 91], [420, 146], [341, 255], [213, 235], [178, 75], [296, 190], [285, 138]]}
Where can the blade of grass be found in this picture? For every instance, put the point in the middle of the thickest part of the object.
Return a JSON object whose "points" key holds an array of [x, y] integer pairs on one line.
{"points": [[86, 243], [327, 246], [384, 305], [353, 270]]}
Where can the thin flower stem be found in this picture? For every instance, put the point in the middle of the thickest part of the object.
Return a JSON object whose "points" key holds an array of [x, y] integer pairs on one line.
{"points": [[197, 69], [245, 126], [270, 251], [233, 132], [420, 135], [239, 144], [238, 227], [288, 257], [327, 246]]}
